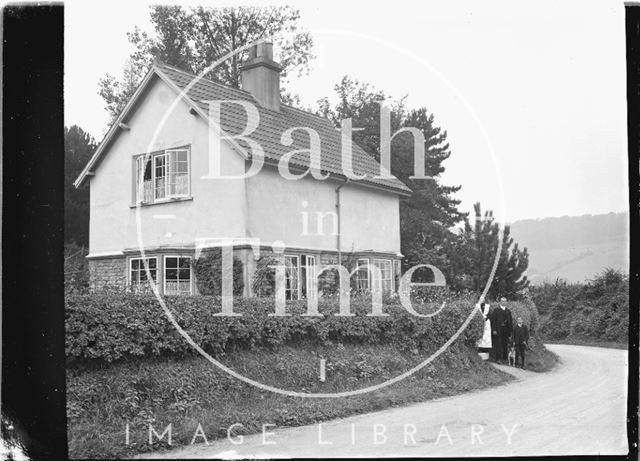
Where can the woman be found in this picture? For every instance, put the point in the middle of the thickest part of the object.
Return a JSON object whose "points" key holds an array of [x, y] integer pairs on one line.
{"points": [[484, 345]]}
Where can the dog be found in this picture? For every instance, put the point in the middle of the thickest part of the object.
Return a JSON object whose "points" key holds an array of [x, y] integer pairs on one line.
{"points": [[512, 356]]}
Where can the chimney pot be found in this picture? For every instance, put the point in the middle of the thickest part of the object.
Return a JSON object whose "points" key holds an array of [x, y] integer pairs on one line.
{"points": [[265, 49]]}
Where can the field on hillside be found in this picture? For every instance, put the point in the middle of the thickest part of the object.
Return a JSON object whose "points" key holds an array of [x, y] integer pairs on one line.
{"points": [[573, 248], [577, 262]]}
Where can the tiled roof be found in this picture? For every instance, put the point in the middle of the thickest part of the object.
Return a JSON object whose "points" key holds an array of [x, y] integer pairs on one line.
{"points": [[273, 123]]}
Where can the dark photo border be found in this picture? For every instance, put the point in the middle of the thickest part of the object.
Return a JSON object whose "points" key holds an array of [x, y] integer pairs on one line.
{"points": [[33, 374], [632, 22]]}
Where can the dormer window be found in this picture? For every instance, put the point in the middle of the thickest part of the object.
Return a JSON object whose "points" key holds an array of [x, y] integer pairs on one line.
{"points": [[162, 176]]}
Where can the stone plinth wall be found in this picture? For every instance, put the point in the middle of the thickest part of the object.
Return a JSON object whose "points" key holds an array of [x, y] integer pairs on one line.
{"points": [[108, 273]]}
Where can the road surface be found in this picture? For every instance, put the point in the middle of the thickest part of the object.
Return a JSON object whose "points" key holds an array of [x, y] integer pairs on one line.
{"points": [[577, 409]]}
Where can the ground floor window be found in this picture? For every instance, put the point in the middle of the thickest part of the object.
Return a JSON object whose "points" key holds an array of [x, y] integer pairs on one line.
{"points": [[292, 276], [385, 280], [177, 275], [362, 275], [309, 276], [138, 275]]}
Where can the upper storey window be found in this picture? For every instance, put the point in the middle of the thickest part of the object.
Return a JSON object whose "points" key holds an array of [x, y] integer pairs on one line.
{"points": [[162, 176]]}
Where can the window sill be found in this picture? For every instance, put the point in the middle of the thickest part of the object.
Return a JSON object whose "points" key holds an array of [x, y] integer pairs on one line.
{"points": [[162, 202]]}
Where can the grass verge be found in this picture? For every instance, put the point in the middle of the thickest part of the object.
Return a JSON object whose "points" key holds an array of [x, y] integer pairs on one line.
{"points": [[103, 400], [541, 360]]}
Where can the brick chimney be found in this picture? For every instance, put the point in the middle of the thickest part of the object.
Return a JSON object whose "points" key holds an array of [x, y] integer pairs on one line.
{"points": [[260, 76]]}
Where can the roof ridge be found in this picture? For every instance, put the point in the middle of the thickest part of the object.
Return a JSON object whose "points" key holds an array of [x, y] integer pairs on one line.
{"points": [[229, 87], [208, 80]]}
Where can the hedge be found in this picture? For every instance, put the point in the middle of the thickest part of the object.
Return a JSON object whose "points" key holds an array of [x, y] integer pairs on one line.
{"points": [[109, 326], [595, 310], [530, 317]]}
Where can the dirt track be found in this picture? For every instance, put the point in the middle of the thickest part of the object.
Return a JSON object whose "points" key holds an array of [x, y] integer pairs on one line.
{"points": [[577, 409]]}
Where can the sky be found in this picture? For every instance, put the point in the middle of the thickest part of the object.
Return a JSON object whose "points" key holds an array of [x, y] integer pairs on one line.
{"points": [[532, 94]]}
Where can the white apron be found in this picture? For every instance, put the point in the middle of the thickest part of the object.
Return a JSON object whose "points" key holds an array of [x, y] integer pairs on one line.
{"points": [[485, 341]]}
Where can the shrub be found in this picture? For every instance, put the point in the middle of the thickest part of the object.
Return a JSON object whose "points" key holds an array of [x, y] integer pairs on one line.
{"points": [[108, 326], [429, 294], [264, 277], [208, 271], [329, 282]]}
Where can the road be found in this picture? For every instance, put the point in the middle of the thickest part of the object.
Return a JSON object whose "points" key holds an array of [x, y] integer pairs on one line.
{"points": [[577, 409]]}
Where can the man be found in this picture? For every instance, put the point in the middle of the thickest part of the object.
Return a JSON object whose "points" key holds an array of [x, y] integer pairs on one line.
{"points": [[501, 326], [520, 340]]}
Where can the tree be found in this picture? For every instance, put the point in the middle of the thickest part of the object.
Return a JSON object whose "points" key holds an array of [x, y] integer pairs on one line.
{"points": [[481, 241], [78, 149], [428, 215], [193, 39], [76, 267]]}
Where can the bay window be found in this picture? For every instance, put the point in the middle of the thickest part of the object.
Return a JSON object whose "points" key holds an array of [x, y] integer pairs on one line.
{"points": [[309, 276], [362, 275], [177, 275], [385, 281], [292, 274]]}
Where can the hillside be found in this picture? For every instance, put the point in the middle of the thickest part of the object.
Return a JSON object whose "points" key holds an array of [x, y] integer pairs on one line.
{"points": [[574, 247]]}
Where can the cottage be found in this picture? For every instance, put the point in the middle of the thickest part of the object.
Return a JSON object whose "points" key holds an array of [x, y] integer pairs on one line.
{"points": [[152, 194]]}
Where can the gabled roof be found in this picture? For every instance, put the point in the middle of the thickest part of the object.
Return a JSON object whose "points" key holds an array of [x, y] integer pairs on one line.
{"points": [[267, 134]]}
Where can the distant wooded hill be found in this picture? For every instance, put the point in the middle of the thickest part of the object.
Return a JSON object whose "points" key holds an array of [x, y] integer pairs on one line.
{"points": [[574, 248]]}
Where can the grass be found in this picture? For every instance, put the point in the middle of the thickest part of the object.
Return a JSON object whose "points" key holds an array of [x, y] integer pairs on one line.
{"points": [[541, 360], [102, 400]]}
